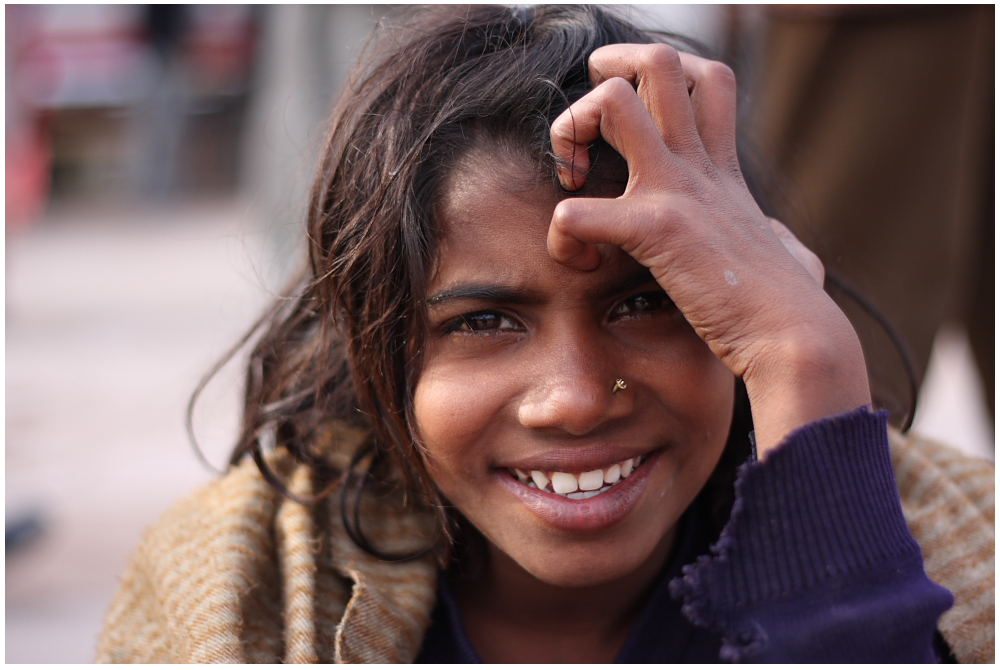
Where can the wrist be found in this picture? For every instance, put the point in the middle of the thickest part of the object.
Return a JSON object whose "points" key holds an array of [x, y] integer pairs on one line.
{"points": [[816, 371]]}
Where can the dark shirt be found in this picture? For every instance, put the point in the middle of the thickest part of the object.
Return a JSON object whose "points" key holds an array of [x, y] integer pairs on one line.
{"points": [[815, 565], [661, 634]]}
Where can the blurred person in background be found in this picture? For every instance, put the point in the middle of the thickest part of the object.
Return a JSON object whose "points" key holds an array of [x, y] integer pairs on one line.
{"points": [[880, 122], [439, 461], [201, 67], [167, 27]]}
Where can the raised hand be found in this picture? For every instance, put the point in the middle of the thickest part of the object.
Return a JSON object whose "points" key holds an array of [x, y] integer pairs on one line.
{"points": [[751, 291]]}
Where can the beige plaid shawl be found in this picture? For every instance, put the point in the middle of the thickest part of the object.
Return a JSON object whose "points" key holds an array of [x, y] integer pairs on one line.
{"points": [[236, 573]]}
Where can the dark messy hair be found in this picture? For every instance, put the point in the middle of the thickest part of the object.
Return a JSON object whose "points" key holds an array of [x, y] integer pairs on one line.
{"points": [[345, 346]]}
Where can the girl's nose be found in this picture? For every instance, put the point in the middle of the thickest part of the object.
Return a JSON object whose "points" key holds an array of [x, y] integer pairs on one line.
{"points": [[574, 393]]}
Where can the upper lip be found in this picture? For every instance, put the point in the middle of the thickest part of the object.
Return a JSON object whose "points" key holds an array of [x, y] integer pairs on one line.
{"points": [[576, 459]]}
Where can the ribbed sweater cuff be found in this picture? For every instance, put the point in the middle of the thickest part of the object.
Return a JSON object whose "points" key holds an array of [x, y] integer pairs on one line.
{"points": [[823, 505]]}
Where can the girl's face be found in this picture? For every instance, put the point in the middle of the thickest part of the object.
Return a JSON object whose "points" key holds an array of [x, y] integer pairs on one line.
{"points": [[517, 384]]}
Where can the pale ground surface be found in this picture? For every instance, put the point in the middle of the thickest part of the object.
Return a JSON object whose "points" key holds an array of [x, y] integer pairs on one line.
{"points": [[111, 318]]}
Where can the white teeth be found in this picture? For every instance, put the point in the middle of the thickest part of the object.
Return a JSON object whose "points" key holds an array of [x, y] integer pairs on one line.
{"points": [[539, 478], [582, 495], [591, 481], [579, 487], [563, 482], [613, 474]]}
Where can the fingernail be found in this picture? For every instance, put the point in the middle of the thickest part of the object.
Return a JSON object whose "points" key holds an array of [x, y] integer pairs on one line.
{"points": [[566, 178]]}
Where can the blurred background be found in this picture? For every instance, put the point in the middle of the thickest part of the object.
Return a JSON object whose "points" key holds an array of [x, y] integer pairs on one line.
{"points": [[157, 161]]}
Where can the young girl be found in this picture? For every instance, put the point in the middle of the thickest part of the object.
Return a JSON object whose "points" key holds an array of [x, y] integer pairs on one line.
{"points": [[501, 414]]}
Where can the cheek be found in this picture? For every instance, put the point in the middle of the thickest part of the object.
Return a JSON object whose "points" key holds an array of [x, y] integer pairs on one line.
{"points": [[712, 395], [686, 371], [699, 390], [453, 410], [711, 386], [711, 409]]}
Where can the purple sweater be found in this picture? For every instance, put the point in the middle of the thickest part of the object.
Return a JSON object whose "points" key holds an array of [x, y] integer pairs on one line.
{"points": [[815, 565]]}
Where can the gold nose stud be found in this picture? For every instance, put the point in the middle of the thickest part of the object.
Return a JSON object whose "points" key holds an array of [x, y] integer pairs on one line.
{"points": [[619, 386]]}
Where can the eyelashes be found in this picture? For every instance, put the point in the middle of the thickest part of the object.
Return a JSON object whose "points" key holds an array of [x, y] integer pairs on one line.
{"points": [[644, 304], [485, 322]]}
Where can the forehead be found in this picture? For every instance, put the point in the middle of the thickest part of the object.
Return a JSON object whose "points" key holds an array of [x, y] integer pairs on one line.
{"points": [[493, 218], [493, 206]]}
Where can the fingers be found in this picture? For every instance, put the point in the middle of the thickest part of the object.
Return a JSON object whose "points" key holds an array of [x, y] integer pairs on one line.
{"points": [[613, 111], [579, 224], [690, 101], [657, 74], [713, 99], [799, 251]]}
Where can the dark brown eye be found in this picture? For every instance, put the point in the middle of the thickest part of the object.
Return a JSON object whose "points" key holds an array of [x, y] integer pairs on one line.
{"points": [[643, 303], [483, 321]]}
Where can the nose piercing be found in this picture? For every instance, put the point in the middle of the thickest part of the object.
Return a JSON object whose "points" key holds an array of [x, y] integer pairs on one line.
{"points": [[619, 386]]}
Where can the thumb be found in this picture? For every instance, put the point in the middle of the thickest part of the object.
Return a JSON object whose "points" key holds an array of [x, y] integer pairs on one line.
{"points": [[580, 224]]}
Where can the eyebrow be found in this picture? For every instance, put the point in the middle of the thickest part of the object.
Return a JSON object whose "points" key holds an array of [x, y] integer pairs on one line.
{"points": [[484, 292], [503, 293]]}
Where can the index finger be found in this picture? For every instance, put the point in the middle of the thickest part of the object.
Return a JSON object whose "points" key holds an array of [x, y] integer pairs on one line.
{"points": [[612, 111]]}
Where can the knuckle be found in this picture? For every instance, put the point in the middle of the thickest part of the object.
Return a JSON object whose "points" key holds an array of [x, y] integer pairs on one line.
{"points": [[661, 56], [563, 215], [563, 124], [616, 87], [720, 74], [664, 216], [616, 95], [561, 133]]}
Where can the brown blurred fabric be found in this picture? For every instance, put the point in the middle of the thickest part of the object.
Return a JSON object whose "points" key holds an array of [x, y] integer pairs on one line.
{"points": [[881, 125]]}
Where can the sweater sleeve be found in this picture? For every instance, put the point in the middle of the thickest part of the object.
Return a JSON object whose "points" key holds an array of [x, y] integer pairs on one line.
{"points": [[816, 563]]}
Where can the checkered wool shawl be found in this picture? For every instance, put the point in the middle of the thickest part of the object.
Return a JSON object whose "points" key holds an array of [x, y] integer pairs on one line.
{"points": [[237, 573]]}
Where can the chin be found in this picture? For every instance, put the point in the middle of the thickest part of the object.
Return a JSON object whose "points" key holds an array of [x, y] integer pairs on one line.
{"points": [[575, 574], [568, 562]]}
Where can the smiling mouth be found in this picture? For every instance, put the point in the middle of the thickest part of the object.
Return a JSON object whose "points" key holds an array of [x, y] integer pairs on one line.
{"points": [[578, 485]]}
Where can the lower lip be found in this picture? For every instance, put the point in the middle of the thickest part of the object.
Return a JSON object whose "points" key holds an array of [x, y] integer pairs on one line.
{"points": [[597, 513]]}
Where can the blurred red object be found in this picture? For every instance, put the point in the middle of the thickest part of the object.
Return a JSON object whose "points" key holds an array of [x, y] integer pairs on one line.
{"points": [[28, 157], [27, 152]]}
